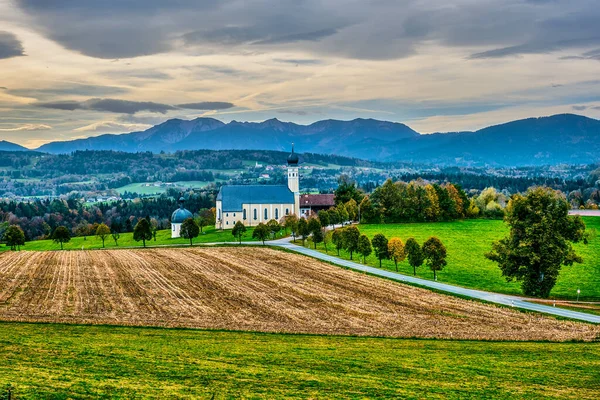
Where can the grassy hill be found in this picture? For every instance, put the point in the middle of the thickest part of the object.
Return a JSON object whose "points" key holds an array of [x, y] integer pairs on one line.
{"points": [[73, 361], [468, 241]]}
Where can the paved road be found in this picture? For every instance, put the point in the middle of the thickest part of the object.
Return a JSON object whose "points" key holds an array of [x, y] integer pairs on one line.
{"points": [[497, 298]]}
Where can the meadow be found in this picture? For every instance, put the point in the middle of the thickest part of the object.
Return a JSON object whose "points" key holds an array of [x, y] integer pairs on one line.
{"points": [[163, 238], [55, 361], [467, 242]]}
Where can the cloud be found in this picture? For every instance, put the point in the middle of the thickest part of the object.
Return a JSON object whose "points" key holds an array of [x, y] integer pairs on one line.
{"points": [[111, 126], [66, 89], [10, 46], [309, 61], [130, 107], [207, 105], [362, 30], [579, 108], [27, 127], [108, 105]]}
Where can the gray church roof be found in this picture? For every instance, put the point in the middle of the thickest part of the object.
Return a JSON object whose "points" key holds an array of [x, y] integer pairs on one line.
{"points": [[180, 215], [234, 196]]}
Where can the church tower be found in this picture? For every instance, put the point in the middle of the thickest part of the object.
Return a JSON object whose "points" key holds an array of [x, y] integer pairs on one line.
{"points": [[294, 180]]}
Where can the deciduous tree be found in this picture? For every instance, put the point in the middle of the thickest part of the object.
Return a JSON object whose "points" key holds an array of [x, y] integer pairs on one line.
{"points": [[14, 237], [380, 245], [396, 250], [337, 238], [291, 222], [303, 229], [102, 232], [351, 234], [61, 235], [414, 253], [364, 247], [434, 253], [315, 229], [261, 232], [539, 242], [142, 231], [189, 230]]}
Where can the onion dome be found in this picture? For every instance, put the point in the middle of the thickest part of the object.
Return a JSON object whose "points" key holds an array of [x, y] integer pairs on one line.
{"points": [[293, 157], [181, 214]]}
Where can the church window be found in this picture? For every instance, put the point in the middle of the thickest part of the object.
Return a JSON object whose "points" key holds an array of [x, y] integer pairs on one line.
{"points": [[287, 211], [234, 214], [277, 213], [227, 214], [227, 223], [244, 214], [255, 214], [266, 214]]}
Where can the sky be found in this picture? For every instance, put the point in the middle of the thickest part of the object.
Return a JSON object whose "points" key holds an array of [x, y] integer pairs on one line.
{"points": [[77, 68]]}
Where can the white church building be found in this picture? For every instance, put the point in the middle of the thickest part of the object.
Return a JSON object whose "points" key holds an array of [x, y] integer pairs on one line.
{"points": [[253, 204]]}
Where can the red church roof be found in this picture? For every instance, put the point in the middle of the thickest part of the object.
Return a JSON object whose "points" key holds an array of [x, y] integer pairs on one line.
{"points": [[317, 200]]}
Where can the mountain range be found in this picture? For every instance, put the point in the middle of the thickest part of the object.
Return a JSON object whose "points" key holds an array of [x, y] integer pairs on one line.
{"points": [[564, 138]]}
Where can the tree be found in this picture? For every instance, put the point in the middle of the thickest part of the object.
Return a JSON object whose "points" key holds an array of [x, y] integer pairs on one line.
{"points": [[291, 222], [328, 238], [189, 229], [334, 216], [238, 231], [102, 232], [274, 227], [539, 241], [396, 251], [14, 237], [414, 253], [337, 238], [205, 218], [303, 229], [380, 245], [347, 190], [434, 253], [343, 213], [154, 227], [115, 236], [352, 208], [314, 227], [324, 219], [351, 235], [142, 231], [364, 247], [261, 232], [61, 235]]}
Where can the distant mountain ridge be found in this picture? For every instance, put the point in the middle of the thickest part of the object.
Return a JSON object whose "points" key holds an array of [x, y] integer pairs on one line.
{"points": [[8, 146], [563, 138]]}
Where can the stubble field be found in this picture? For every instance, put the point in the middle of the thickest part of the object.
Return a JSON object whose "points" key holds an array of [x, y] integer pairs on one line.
{"points": [[257, 289]]}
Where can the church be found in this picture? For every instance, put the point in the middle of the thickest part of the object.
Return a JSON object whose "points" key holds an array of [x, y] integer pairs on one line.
{"points": [[253, 204]]}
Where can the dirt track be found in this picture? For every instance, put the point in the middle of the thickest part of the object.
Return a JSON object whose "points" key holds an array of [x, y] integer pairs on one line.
{"points": [[247, 289]]}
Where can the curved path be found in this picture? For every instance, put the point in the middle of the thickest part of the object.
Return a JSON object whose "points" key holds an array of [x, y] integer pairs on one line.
{"points": [[497, 298]]}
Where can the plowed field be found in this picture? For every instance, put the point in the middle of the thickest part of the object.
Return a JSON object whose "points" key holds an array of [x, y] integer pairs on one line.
{"points": [[247, 289]]}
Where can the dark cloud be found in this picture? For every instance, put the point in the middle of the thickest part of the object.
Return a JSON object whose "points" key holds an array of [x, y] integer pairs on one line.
{"points": [[207, 105], [384, 29], [3, 88], [10, 46], [294, 112], [109, 105], [579, 108], [308, 61], [130, 107], [299, 37]]}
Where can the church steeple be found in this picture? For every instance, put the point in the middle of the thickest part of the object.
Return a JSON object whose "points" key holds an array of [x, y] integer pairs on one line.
{"points": [[293, 176]]}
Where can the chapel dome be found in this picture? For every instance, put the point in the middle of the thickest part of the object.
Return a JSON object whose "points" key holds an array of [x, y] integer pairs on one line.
{"points": [[181, 214]]}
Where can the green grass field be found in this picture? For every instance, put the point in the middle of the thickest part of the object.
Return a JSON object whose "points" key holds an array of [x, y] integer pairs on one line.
{"points": [[163, 238], [468, 241], [70, 361], [143, 189]]}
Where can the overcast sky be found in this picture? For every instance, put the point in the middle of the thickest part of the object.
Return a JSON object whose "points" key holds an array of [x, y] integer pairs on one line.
{"points": [[77, 68]]}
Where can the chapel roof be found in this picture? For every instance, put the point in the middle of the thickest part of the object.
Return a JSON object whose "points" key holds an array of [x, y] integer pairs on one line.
{"points": [[235, 196]]}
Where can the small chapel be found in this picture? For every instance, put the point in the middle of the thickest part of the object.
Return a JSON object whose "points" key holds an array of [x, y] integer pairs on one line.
{"points": [[253, 204], [177, 218]]}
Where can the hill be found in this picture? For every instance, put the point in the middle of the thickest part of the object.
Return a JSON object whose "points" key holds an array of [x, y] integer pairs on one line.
{"points": [[256, 289], [8, 146]]}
